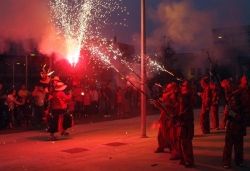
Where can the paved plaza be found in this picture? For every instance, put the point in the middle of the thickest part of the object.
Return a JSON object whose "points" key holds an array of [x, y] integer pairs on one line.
{"points": [[110, 145]]}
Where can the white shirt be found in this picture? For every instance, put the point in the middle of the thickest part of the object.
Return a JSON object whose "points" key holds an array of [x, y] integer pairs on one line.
{"points": [[93, 95]]}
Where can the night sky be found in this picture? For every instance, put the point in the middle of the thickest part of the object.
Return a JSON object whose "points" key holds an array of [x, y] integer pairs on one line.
{"points": [[187, 22]]}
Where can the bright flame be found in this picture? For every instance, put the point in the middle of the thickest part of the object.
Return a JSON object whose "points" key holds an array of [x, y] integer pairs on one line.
{"points": [[73, 51]]}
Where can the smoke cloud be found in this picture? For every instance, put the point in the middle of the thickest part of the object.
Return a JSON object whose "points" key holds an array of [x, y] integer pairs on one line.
{"points": [[188, 27], [23, 20]]}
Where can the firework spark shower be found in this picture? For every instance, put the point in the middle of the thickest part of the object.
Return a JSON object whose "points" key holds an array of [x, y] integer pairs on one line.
{"points": [[79, 21]]}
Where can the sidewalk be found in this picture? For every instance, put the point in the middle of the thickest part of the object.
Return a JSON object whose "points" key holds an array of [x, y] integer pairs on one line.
{"points": [[111, 145], [83, 120]]}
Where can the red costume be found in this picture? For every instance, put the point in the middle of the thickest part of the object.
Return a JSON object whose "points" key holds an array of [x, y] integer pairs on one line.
{"points": [[167, 135], [245, 98], [173, 108], [206, 98], [215, 105], [185, 129], [228, 89], [235, 131], [60, 121], [164, 131]]}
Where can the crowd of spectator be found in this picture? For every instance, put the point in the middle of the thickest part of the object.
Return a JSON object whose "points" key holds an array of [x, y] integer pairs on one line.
{"points": [[24, 108]]}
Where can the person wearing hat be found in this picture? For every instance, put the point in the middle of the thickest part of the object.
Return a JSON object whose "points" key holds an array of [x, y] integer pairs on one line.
{"points": [[206, 99], [185, 126], [59, 108], [55, 80]]}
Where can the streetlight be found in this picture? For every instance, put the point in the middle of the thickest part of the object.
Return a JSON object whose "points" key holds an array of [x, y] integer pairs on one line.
{"points": [[143, 50]]}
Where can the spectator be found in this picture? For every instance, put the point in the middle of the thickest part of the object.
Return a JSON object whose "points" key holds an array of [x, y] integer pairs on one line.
{"points": [[39, 110], [119, 98], [108, 97], [94, 100], [27, 113], [11, 101], [135, 98], [101, 98], [86, 103], [5, 109], [23, 94], [78, 99], [2, 99], [127, 99], [34, 92]]}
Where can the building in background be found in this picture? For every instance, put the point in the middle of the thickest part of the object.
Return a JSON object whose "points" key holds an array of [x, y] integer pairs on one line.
{"points": [[229, 52], [191, 65], [231, 46]]}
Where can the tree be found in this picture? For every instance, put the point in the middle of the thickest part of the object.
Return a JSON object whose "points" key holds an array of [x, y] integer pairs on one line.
{"points": [[166, 56], [166, 51]]}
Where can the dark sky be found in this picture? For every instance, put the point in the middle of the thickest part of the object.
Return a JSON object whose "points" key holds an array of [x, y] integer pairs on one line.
{"points": [[187, 22]]}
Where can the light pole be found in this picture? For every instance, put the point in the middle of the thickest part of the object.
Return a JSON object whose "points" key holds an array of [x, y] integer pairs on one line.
{"points": [[13, 73], [143, 50], [26, 71]]}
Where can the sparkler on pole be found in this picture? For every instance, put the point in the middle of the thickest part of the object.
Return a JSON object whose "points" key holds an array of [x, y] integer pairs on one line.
{"points": [[99, 51], [159, 103], [107, 61], [161, 68], [156, 67]]}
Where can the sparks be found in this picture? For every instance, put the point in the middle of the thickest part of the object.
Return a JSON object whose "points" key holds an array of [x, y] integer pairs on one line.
{"points": [[79, 21]]}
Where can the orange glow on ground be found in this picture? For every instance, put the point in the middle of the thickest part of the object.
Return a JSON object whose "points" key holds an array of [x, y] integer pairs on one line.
{"points": [[154, 125]]}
